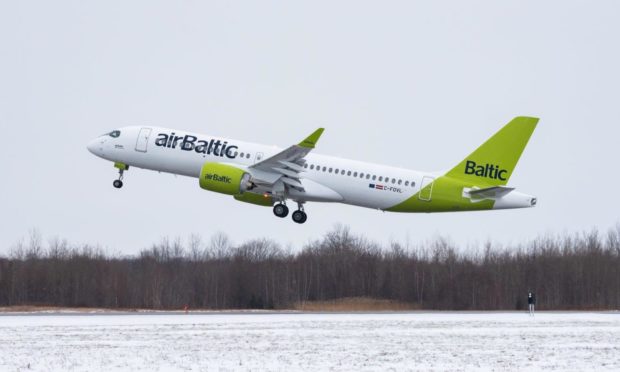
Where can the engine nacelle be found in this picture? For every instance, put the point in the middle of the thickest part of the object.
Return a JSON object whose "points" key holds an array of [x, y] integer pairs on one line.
{"points": [[224, 179], [248, 197]]}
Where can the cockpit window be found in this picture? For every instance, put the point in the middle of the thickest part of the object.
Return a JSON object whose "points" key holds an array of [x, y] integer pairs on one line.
{"points": [[115, 133]]}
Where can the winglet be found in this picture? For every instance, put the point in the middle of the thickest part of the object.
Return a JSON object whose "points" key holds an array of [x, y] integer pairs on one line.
{"points": [[312, 139]]}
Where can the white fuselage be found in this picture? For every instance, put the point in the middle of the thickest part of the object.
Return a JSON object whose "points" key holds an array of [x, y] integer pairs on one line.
{"points": [[326, 178]]}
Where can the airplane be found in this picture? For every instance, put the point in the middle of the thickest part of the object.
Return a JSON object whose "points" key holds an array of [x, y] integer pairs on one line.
{"points": [[269, 176]]}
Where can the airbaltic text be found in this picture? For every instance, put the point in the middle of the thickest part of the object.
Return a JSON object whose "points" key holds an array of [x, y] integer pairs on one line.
{"points": [[218, 178], [487, 170], [192, 143]]}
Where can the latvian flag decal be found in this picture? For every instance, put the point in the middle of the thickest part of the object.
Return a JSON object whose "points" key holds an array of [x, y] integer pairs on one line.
{"points": [[378, 187]]}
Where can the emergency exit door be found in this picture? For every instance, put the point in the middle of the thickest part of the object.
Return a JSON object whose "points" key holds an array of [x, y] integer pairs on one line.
{"points": [[143, 139], [426, 189]]}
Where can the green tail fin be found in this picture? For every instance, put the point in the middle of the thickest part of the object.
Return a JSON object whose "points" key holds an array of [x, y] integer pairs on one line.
{"points": [[492, 163]]}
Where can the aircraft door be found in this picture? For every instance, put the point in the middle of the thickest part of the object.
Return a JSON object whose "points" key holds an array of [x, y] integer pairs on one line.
{"points": [[426, 188], [143, 139]]}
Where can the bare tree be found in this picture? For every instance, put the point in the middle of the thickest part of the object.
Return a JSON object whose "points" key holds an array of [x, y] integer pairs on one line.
{"points": [[580, 271]]}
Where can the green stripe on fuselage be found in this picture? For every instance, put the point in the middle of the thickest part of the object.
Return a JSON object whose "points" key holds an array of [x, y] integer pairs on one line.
{"points": [[446, 196], [491, 164]]}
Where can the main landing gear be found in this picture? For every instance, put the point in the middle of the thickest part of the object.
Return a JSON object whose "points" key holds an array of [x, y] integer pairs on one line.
{"points": [[121, 169], [299, 216], [280, 210]]}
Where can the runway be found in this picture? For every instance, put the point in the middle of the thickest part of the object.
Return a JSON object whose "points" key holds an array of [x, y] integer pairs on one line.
{"points": [[310, 341]]}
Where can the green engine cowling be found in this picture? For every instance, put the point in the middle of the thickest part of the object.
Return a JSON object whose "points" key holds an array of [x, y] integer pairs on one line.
{"points": [[223, 178], [230, 180], [248, 197]]}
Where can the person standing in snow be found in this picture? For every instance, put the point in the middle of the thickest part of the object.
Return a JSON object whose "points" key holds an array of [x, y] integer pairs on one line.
{"points": [[531, 301]]}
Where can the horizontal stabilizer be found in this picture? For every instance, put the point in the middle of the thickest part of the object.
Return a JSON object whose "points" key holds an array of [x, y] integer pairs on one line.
{"points": [[494, 192]]}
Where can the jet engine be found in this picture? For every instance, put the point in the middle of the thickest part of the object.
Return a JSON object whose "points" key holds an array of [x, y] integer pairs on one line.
{"points": [[225, 179]]}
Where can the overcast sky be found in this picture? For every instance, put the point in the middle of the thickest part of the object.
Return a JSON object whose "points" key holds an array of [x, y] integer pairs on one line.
{"points": [[411, 84]]}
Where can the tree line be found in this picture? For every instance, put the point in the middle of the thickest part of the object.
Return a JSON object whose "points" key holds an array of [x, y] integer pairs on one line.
{"points": [[580, 271]]}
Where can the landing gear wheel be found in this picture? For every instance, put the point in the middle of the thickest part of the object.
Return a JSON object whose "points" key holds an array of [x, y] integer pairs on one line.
{"points": [[280, 210], [119, 182], [299, 217]]}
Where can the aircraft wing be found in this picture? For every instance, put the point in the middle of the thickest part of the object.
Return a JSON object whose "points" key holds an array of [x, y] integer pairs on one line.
{"points": [[287, 165]]}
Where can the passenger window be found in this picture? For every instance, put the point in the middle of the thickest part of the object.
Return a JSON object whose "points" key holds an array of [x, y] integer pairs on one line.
{"points": [[380, 178], [406, 183], [331, 169], [361, 175], [348, 173], [311, 166], [242, 154], [354, 174], [342, 172], [393, 180], [324, 169], [412, 184], [247, 156], [374, 177], [400, 181]]}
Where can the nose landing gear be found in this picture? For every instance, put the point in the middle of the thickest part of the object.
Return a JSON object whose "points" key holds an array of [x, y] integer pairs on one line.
{"points": [[121, 169]]}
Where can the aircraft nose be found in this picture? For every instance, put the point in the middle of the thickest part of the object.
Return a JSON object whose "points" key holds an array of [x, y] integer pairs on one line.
{"points": [[95, 146], [92, 145]]}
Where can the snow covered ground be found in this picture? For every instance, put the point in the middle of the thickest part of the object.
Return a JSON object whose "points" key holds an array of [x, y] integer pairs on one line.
{"points": [[295, 341]]}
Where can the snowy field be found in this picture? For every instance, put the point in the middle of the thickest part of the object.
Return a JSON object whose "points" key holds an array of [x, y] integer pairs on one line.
{"points": [[563, 341]]}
